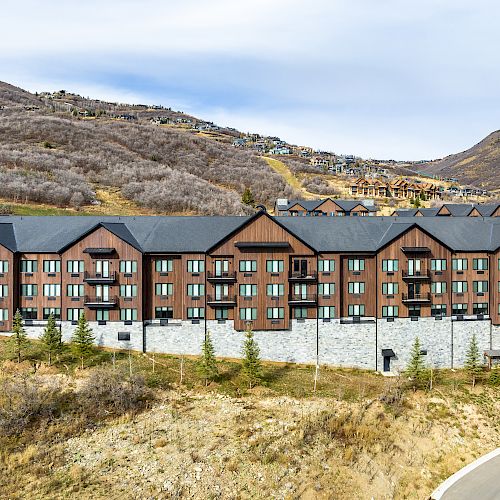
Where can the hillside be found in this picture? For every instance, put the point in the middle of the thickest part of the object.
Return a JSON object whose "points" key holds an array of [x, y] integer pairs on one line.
{"points": [[57, 152], [479, 165]]}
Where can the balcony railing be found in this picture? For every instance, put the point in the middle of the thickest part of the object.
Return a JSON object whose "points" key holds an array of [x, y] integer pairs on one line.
{"points": [[98, 278], [226, 276], [303, 276], [222, 300], [301, 298], [101, 302], [416, 275], [416, 298]]}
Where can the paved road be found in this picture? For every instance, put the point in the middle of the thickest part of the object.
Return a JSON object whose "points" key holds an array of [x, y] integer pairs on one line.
{"points": [[482, 483]]}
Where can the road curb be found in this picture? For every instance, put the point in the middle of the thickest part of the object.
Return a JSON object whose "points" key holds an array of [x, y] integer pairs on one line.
{"points": [[441, 490]]}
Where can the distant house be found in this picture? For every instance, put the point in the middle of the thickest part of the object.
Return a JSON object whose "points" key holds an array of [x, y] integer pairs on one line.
{"points": [[453, 210], [324, 207], [399, 188], [280, 150]]}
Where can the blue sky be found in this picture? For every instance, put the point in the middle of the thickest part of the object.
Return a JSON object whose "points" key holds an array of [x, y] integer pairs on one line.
{"points": [[399, 79]]}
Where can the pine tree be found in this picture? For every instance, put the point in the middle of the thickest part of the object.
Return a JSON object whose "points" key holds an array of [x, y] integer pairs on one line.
{"points": [[247, 198], [207, 365], [416, 367], [18, 342], [252, 368], [472, 360], [51, 338], [82, 342]]}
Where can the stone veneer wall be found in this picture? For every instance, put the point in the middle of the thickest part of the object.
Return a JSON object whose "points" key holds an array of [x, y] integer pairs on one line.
{"points": [[178, 337], [462, 334]]}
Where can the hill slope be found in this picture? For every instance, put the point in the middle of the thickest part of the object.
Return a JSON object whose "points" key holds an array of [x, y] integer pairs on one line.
{"points": [[48, 155], [479, 165]]}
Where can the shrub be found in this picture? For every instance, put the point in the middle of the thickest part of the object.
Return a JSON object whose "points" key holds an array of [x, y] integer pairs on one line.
{"points": [[252, 368]]}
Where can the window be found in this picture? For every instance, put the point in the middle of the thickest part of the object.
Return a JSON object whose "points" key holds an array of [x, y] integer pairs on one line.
{"points": [[128, 266], [275, 266], [75, 291], [102, 315], [164, 312], [326, 312], [195, 312], [300, 312], [390, 265], [195, 266], [480, 308], [221, 267], [221, 313], [275, 312], [29, 266], [4, 266], [248, 266], [248, 290], [75, 266], [459, 309], [4, 314], [356, 287], [414, 311], [51, 266], [275, 289], [479, 286], [29, 312], [438, 287], [390, 311], [356, 310], [73, 314], [480, 264], [102, 268], [248, 313], [390, 288], [326, 288], [128, 290], [164, 265], [29, 290], [438, 310], [195, 290], [459, 286], [438, 264], [4, 290], [164, 289], [459, 264], [55, 311], [128, 314], [52, 290], [326, 266], [356, 264]]}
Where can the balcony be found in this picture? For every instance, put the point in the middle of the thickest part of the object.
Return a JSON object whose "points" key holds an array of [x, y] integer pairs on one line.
{"points": [[222, 277], [303, 276], [416, 298], [98, 278], [302, 299], [416, 275], [101, 302], [223, 300]]}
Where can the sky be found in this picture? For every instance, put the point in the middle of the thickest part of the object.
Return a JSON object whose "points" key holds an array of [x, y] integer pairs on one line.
{"points": [[399, 79]]}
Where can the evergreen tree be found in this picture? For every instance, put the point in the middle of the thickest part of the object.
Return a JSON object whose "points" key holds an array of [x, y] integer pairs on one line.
{"points": [[472, 360], [252, 368], [51, 338], [82, 342], [18, 342], [416, 367], [247, 198], [207, 365]]}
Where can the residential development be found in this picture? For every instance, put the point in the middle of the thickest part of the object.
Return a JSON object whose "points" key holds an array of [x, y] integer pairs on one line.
{"points": [[399, 188], [452, 210], [325, 207], [348, 291]]}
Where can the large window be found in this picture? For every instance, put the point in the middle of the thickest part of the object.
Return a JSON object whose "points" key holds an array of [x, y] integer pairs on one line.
{"points": [[75, 266], [480, 264], [128, 314], [4, 290], [51, 266], [390, 311], [4, 266], [356, 310], [221, 313], [300, 312], [275, 266], [356, 287], [102, 315], [459, 286], [73, 314], [438, 287], [438, 264], [275, 312], [195, 312], [390, 288], [480, 308], [459, 264], [459, 309], [52, 290], [326, 288], [128, 291], [29, 312], [479, 286], [166, 312], [195, 266], [55, 311], [438, 310], [164, 265], [4, 314], [164, 289], [75, 290], [128, 266], [326, 312], [248, 313], [195, 290], [414, 311], [248, 290], [248, 266], [326, 265], [29, 290], [29, 266], [275, 289], [356, 264], [390, 265]]}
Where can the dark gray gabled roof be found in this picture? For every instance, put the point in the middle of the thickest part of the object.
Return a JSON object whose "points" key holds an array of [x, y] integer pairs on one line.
{"points": [[411, 212], [7, 236], [311, 205]]}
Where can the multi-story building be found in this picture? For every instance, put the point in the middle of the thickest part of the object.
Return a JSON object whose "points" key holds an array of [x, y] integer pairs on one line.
{"points": [[399, 188], [325, 207], [335, 290], [452, 210]]}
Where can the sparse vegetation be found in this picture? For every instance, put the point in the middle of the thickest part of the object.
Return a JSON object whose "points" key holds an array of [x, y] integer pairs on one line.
{"points": [[473, 361], [18, 342], [207, 365], [82, 342], [251, 364]]}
